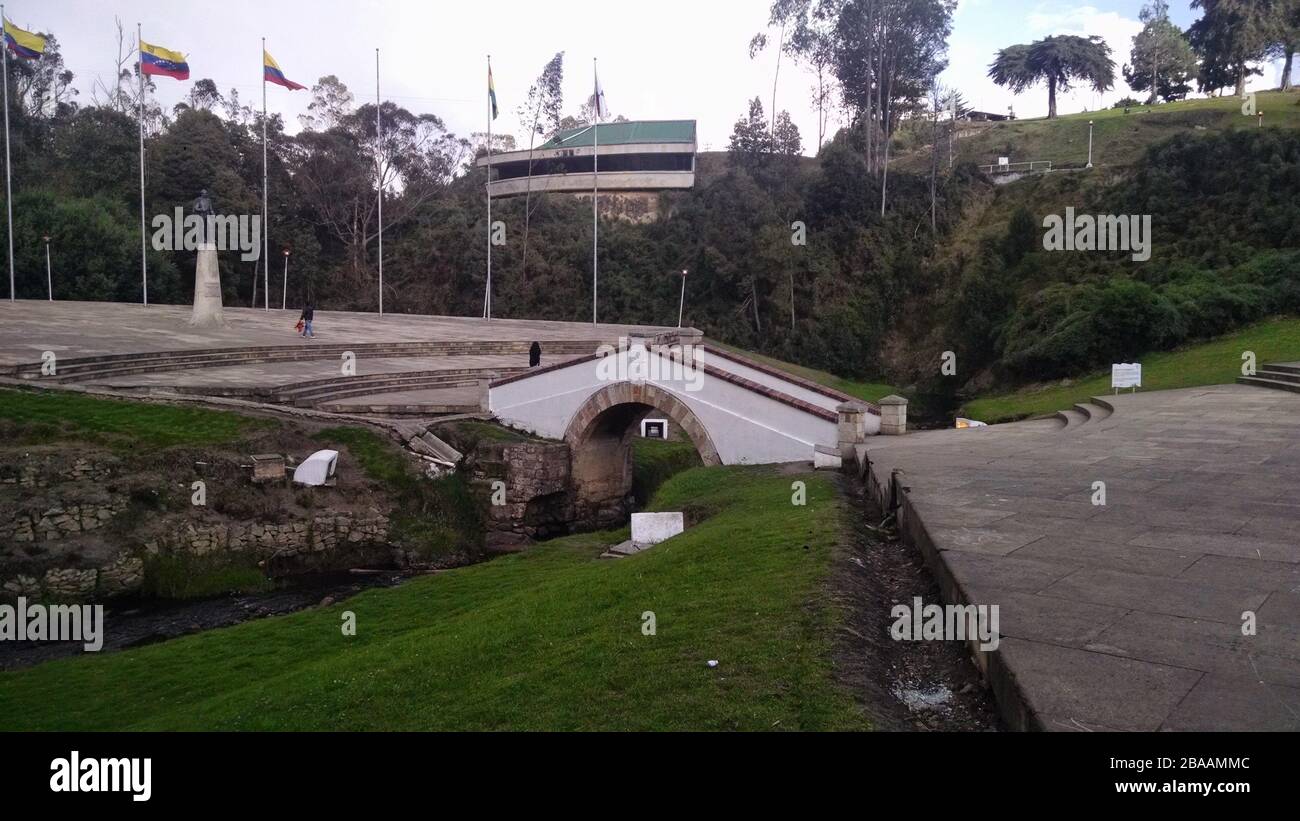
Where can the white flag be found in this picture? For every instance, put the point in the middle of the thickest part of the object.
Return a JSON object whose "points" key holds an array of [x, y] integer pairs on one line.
{"points": [[602, 108]]}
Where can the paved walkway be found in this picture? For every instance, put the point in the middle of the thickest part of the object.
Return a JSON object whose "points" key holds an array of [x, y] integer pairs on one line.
{"points": [[1127, 616], [79, 329]]}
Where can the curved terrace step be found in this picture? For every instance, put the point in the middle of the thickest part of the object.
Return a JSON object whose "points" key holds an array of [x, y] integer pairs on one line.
{"points": [[1072, 418], [1275, 384], [80, 369], [316, 390]]}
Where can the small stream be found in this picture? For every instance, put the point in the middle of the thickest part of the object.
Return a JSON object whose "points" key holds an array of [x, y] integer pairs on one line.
{"points": [[135, 621]]}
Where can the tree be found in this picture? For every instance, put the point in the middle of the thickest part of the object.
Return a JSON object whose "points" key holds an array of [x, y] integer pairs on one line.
{"points": [[1288, 38], [1229, 36], [1060, 61], [751, 141], [541, 109], [331, 102], [1162, 60], [204, 95]]}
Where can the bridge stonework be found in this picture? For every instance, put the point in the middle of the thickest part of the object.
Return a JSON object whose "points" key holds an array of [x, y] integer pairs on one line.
{"points": [[641, 393]]}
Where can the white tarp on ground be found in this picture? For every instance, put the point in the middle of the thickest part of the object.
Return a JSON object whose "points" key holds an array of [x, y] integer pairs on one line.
{"points": [[317, 469]]}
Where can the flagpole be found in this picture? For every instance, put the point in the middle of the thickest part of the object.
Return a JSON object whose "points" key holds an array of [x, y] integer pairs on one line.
{"points": [[379, 167], [487, 296], [266, 225], [144, 264], [595, 186], [9, 190]]}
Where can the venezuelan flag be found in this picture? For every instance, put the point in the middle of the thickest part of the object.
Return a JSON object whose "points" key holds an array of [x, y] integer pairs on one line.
{"points": [[492, 93], [272, 74], [23, 43], [162, 62]]}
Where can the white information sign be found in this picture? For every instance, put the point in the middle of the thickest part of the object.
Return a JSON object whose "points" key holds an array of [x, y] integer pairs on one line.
{"points": [[1126, 375]]}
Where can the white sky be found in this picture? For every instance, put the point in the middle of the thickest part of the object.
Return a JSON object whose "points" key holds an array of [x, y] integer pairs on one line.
{"points": [[664, 59]]}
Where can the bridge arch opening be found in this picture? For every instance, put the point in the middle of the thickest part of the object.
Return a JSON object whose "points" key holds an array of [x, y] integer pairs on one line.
{"points": [[600, 446]]}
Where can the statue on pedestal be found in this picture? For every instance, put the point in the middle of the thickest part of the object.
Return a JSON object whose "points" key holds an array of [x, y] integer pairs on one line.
{"points": [[207, 276]]}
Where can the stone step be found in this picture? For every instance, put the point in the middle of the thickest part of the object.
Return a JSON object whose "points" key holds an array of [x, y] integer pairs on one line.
{"points": [[380, 383], [400, 410], [294, 389], [1270, 372], [323, 396], [1268, 383], [130, 364], [1073, 418], [1287, 367], [1096, 412]]}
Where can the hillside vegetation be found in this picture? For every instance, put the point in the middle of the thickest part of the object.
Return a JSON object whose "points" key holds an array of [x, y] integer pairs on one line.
{"points": [[1210, 363]]}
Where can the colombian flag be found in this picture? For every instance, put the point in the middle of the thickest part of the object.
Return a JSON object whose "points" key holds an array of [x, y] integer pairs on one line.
{"points": [[162, 62], [492, 93], [271, 73], [23, 43]]}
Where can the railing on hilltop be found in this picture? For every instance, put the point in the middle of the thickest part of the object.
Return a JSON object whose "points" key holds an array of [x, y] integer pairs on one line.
{"points": [[1018, 167]]}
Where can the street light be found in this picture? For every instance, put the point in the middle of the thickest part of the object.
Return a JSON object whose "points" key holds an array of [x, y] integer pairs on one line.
{"points": [[681, 306], [49, 279], [284, 295], [1090, 143]]}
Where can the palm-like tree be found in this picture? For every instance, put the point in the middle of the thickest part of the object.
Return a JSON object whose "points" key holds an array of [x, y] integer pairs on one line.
{"points": [[1060, 61]]}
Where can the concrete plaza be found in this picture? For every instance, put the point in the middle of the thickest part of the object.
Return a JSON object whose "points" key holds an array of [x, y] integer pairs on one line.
{"points": [[1135, 614]]}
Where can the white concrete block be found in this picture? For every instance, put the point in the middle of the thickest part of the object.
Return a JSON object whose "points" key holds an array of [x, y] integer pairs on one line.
{"points": [[653, 528], [826, 458]]}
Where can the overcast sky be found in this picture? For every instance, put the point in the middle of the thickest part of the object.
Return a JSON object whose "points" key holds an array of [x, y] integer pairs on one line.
{"points": [[664, 59]]}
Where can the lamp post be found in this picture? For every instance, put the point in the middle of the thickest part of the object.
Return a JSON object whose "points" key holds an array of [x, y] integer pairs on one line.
{"points": [[681, 306], [1090, 143], [49, 279], [284, 291]]}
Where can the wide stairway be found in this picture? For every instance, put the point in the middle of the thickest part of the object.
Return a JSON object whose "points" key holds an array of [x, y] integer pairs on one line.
{"points": [[100, 367], [412, 378], [1279, 376]]}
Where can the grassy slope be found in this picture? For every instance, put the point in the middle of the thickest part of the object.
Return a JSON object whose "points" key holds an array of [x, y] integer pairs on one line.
{"points": [[866, 391], [548, 639], [43, 418], [1211, 363], [1118, 138]]}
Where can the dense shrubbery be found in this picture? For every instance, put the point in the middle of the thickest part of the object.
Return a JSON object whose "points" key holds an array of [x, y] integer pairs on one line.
{"points": [[1226, 221]]}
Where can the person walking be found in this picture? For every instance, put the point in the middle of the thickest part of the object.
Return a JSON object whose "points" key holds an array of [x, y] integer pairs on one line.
{"points": [[308, 314], [534, 355]]}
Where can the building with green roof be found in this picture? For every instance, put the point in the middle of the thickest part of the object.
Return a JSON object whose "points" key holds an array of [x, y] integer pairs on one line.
{"points": [[632, 159]]}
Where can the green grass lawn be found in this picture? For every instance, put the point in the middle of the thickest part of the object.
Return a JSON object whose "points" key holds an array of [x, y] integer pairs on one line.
{"points": [[866, 391], [550, 639], [1210, 363], [39, 417], [1118, 138]]}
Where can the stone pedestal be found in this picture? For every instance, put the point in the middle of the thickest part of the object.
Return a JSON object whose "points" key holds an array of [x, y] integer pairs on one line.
{"points": [[893, 416], [207, 291], [852, 427]]}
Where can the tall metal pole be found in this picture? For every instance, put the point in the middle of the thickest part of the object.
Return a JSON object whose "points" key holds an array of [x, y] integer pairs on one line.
{"points": [[266, 220], [284, 293], [487, 296], [144, 264], [379, 167], [9, 190], [1090, 143], [595, 187], [49, 277]]}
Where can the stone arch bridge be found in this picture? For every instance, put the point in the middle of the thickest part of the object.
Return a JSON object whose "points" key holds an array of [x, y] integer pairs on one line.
{"points": [[734, 410]]}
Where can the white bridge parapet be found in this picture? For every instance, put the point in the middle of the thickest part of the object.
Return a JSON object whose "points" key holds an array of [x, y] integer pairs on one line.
{"points": [[737, 411]]}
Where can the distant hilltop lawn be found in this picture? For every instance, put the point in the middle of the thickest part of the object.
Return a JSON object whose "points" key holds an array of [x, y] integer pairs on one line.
{"points": [[1119, 138]]}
